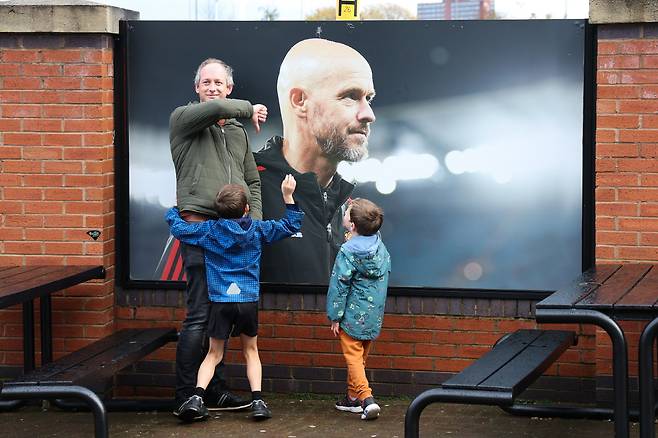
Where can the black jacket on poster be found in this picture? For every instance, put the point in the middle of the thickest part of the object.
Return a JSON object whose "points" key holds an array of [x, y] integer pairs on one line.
{"points": [[308, 258]]}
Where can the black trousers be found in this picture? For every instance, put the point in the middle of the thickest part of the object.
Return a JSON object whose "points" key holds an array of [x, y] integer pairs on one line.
{"points": [[193, 339]]}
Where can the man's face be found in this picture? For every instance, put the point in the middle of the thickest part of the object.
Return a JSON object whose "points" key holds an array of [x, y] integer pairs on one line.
{"points": [[213, 83], [340, 114]]}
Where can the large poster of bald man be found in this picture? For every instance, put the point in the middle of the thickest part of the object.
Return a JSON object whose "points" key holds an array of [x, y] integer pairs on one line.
{"points": [[469, 135]]}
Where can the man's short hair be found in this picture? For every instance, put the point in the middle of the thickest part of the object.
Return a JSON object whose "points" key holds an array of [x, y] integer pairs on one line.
{"points": [[231, 201], [228, 68], [366, 216]]}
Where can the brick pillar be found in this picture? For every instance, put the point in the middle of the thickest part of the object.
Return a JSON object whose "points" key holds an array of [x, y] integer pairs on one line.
{"points": [[626, 152], [57, 161]]}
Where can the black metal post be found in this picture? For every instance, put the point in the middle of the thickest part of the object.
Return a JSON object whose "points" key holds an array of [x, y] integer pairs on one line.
{"points": [[28, 336], [619, 355], [647, 395], [46, 330]]}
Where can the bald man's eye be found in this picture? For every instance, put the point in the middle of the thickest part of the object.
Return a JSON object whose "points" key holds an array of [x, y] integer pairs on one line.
{"points": [[370, 98], [352, 96]]}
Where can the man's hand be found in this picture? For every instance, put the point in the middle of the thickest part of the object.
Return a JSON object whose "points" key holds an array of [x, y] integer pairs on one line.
{"points": [[259, 116], [335, 328], [288, 188]]}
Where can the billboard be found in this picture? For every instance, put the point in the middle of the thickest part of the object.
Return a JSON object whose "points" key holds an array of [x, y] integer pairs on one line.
{"points": [[475, 149]]}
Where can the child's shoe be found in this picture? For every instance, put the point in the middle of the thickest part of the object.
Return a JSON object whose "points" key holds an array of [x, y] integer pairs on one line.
{"points": [[192, 410], [260, 411], [371, 409], [348, 405]]}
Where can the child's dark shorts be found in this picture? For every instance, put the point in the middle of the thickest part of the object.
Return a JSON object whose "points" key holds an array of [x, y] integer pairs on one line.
{"points": [[233, 319]]}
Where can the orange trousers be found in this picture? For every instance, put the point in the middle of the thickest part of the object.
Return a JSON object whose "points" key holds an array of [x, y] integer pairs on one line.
{"points": [[356, 353]]}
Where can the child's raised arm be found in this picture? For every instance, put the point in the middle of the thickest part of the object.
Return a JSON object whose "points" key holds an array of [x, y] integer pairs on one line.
{"points": [[288, 188], [192, 233]]}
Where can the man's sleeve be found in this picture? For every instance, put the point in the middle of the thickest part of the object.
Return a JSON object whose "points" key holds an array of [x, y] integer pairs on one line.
{"points": [[192, 233], [192, 118], [290, 224], [339, 287], [252, 178]]}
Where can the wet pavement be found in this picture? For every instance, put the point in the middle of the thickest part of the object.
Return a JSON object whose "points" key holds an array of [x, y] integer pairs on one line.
{"points": [[298, 417]]}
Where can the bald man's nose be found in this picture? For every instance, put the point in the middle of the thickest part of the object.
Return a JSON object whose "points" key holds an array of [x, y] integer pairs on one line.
{"points": [[365, 113]]}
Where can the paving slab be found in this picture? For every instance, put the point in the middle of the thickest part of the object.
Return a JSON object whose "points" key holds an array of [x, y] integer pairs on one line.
{"points": [[300, 417]]}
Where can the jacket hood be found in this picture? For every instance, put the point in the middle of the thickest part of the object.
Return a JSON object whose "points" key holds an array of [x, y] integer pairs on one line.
{"points": [[234, 232], [368, 255]]}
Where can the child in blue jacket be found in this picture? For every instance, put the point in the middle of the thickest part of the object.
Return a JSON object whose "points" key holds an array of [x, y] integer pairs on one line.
{"points": [[232, 247], [356, 300]]}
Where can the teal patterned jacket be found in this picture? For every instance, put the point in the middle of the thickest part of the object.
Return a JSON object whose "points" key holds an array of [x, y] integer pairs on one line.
{"points": [[357, 288]]}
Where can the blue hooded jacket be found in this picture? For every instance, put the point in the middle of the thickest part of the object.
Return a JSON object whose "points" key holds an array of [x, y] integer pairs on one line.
{"points": [[358, 285], [233, 248]]}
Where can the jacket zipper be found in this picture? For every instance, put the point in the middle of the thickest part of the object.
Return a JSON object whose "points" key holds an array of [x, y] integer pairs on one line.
{"points": [[324, 205], [228, 154]]}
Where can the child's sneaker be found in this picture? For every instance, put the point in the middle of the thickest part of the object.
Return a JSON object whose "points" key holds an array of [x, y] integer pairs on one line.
{"points": [[260, 411], [348, 405], [192, 410], [371, 409]]}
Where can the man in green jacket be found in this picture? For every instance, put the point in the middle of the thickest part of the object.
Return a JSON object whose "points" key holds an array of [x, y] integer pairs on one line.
{"points": [[210, 149]]}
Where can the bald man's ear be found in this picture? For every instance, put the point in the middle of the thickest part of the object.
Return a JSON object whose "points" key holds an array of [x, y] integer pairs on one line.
{"points": [[298, 101]]}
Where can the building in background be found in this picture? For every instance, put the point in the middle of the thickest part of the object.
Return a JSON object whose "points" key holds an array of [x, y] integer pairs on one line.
{"points": [[455, 10]]}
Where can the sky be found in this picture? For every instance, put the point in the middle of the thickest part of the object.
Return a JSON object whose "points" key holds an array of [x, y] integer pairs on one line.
{"points": [[298, 9]]}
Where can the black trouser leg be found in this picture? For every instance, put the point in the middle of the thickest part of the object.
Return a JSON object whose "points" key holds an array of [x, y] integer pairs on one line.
{"points": [[193, 340]]}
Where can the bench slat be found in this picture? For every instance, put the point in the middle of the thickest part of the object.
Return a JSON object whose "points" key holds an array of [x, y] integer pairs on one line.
{"points": [[493, 360], [578, 289], [643, 294], [616, 287], [530, 363], [103, 357], [513, 363]]}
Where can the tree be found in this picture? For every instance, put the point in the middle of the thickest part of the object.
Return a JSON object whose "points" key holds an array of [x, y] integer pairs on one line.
{"points": [[387, 11], [269, 14], [323, 14]]}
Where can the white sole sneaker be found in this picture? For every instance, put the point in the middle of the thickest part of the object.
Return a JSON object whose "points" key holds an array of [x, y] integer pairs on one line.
{"points": [[371, 412], [354, 409]]}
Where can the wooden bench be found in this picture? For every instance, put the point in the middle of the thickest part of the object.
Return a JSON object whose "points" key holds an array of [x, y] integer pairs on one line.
{"points": [[69, 376], [499, 376]]}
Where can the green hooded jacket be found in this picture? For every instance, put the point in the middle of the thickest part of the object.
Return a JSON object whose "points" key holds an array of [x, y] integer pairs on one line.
{"points": [[208, 156], [358, 286]]}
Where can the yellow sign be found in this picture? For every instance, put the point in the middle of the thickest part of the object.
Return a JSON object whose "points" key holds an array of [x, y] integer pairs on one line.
{"points": [[347, 10]]}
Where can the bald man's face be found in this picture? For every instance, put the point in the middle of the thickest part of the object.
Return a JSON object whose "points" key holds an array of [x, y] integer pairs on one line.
{"points": [[340, 114]]}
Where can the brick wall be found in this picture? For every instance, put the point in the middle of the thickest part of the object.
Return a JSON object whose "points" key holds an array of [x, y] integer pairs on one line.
{"points": [[423, 342], [626, 158], [57, 176]]}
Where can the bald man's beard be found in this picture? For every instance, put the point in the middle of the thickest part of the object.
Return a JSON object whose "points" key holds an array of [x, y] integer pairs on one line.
{"points": [[335, 144]]}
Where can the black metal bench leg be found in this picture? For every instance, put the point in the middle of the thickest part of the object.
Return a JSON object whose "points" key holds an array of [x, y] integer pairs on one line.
{"points": [[619, 355], [417, 405], [647, 395], [18, 391], [46, 330], [28, 336]]}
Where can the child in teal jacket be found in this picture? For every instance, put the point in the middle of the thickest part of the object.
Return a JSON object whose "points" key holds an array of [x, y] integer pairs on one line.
{"points": [[356, 300]]}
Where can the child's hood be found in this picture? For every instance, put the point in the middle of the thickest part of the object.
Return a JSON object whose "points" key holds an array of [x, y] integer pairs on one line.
{"points": [[233, 232], [368, 255]]}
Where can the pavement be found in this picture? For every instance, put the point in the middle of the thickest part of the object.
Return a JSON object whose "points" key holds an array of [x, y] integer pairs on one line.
{"points": [[300, 416]]}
